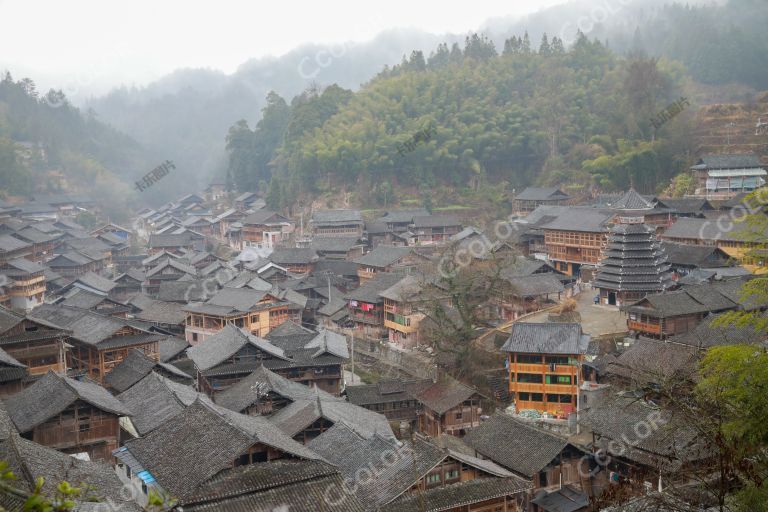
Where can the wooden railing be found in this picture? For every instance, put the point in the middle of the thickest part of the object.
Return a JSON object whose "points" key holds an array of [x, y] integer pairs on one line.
{"points": [[560, 369], [634, 325], [533, 387], [62, 436]]}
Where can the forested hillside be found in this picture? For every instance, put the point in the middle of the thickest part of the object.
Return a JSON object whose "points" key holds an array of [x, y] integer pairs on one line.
{"points": [[44, 135], [536, 113]]}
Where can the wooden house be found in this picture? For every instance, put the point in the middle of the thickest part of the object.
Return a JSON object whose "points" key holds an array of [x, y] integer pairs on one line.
{"points": [[395, 399], [68, 415], [169, 269], [98, 342], [295, 260], [14, 376], [312, 359], [531, 198], [402, 315], [434, 229], [338, 248], [137, 365], [726, 175], [663, 315], [544, 458], [258, 312], [43, 243], [24, 284], [337, 223], [203, 443], [448, 407], [38, 345], [366, 305], [76, 263], [417, 475], [170, 243], [265, 229], [544, 361], [12, 248], [387, 258]]}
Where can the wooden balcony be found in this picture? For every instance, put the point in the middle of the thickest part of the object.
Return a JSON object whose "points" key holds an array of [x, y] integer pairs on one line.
{"points": [[534, 387], [43, 369], [559, 369], [634, 325]]}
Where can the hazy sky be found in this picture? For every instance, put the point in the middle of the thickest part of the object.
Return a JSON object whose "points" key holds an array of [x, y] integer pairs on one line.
{"points": [[106, 42]]}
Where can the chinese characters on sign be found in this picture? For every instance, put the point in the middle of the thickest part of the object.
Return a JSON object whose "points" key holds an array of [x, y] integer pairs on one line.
{"points": [[154, 175], [669, 113], [421, 136]]}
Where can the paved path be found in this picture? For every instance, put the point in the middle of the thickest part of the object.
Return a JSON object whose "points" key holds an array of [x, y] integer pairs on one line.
{"points": [[595, 319]]}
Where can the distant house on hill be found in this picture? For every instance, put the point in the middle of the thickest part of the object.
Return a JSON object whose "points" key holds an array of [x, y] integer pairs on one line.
{"points": [[726, 175], [531, 198]]}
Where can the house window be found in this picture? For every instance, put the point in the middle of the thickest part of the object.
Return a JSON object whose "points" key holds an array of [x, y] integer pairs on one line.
{"points": [[452, 474], [433, 479], [528, 359], [458, 415], [194, 336], [529, 377]]}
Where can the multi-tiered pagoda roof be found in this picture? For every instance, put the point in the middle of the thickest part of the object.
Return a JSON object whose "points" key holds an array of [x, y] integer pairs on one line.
{"points": [[633, 261]]}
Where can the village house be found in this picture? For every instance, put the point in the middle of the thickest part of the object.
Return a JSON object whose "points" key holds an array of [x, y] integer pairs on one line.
{"points": [[434, 229], [448, 407], [43, 243], [265, 229], [38, 345], [336, 223], [531, 198], [416, 475], [258, 312], [295, 260], [76, 263], [68, 415], [98, 343], [395, 399], [22, 284], [170, 243], [232, 354], [12, 248], [543, 457], [733, 238], [338, 248], [169, 269], [203, 443], [544, 361], [387, 258], [663, 315], [366, 305], [726, 175], [401, 312]]}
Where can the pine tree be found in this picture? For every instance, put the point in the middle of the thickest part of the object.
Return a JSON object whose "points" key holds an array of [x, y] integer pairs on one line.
{"points": [[525, 46], [544, 48], [557, 46]]}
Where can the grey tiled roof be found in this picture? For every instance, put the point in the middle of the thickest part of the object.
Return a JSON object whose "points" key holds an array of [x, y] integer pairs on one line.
{"points": [[694, 255], [369, 291], [731, 161], [295, 486], [52, 394], [653, 361], [86, 326], [579, 219], [336, 217], [202, 441], [302, 413], [541, 194], [181, 240], [514, 444], [383, 256], [536, 284], [455, 496], [546, 338], [225, 343], [261, 382], [137, 365], [96, 282], [334, 244], [632, 201], [29, 460], [444, 394], [155, 399], [293, 256], [171, 347]]}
